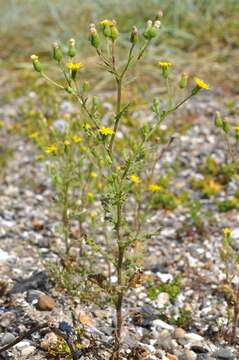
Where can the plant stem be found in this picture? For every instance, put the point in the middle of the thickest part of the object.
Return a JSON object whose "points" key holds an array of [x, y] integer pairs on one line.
{"points": [[118, 108], [235, 317], [120, 294]]}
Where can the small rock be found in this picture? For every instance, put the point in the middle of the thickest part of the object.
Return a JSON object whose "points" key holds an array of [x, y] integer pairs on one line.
{"points": [[161, 324], [172, 357], [225, 354], [194, 337], [188, 355], [7, 338], [179, 333], [28, 351], [162, 299], [49, 340], [33, 295], [45, 303], [4, 256]]}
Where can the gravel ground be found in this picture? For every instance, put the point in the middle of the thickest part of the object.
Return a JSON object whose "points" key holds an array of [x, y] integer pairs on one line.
{"points": [[27, 227]]}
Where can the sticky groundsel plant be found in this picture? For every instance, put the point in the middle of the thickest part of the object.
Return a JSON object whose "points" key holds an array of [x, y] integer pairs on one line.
{"points": [[120, 168]]}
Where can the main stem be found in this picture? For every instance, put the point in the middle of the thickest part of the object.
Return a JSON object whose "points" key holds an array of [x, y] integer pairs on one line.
{"points": [[118, 108], [235, 317], [120, 294]]}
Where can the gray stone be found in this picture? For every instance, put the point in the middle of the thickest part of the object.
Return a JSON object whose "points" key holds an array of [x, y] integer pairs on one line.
{"points": [[225, 354], [7, 338]]}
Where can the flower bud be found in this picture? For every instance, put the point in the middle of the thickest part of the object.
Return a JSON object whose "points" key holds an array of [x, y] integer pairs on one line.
{"points": [[114, 31], [134, 37], [183, 83], [72, 48], [225, 125], [218, 120], [237, 133], [94, 37], [159, 15], [151, 30], [36, 63], [57, 53]]}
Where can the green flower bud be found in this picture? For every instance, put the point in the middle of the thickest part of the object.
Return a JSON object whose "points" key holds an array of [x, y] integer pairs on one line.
{"points": [[218, 120], [57, 53], [134, 37], [183, 83], [159, 15], [36, 63], [151, 30], [85, 86], [237, 133], [225, 125], [107, 31], [114, 31], [72, 48], [94, 37]]}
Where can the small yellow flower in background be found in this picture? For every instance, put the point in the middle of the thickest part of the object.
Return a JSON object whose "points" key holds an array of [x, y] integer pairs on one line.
{"points": [[74, 66], [90, 196], [51, 149], [227, 231], [201, 84], [99, 185], [165, 64], [76, 139], [34, 135], [87, 126], [93, 175], [93, 214], [213, 186], [106, 22], [106, 131], [154, 188], [135, 179]]}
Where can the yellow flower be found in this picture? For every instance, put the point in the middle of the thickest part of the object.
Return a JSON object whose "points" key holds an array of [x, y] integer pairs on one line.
{"points": [[51, 149], [227, 231], [165, 64], [67, 142], [76, 139], [90, 196], [201, 84], [93, 214], [93, 175], [106, 131], [154, 188], [34, 135], [106, 22], [74, 66], [135, 179], [87, 126], [213, 186]]}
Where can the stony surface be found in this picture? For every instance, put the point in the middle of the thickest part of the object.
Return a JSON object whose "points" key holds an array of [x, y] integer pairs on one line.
{"points": [[27, 229]]}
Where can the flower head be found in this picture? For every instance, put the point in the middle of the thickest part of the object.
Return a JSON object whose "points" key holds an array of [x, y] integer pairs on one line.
{"points": [[106, 131], [93, 175], [74, 66], [106, 22], [154, 188], [135, 179], [165, 64], [76, 139], [51, 149], [227, 231], [201, 84]]}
